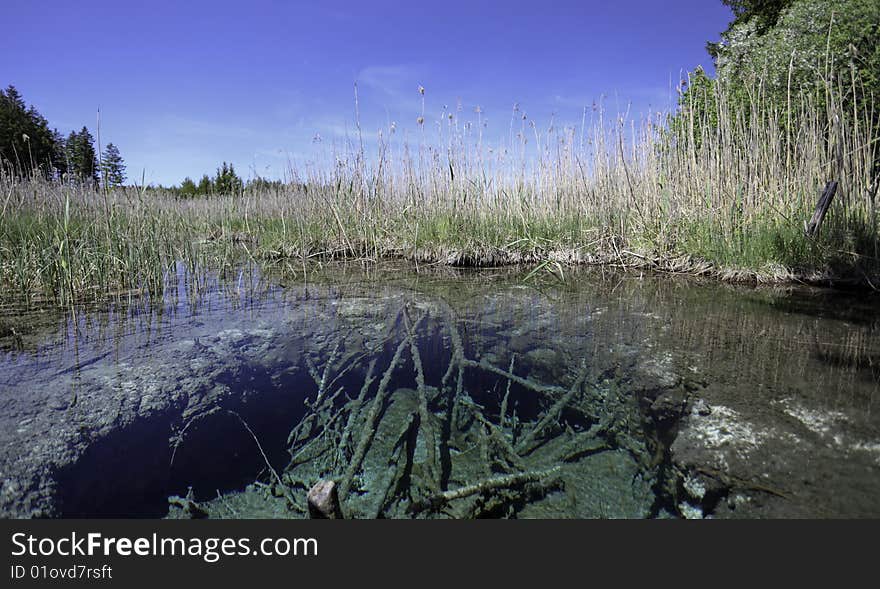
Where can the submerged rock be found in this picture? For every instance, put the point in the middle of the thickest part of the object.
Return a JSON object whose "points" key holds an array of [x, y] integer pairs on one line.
{"points": [[763, 465]]}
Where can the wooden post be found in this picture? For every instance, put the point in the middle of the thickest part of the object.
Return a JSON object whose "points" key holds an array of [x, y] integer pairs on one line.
{"points": [[812, 228]]}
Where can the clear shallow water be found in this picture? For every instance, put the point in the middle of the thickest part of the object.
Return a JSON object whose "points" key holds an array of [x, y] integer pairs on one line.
{"points": [[626, 396]]}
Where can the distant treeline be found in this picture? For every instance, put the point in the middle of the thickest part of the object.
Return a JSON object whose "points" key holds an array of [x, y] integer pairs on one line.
{"points": [[29, 146], [225, 181]]}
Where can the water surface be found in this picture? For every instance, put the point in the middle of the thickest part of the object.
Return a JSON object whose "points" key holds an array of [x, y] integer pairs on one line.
{"points": [[603, 395]]}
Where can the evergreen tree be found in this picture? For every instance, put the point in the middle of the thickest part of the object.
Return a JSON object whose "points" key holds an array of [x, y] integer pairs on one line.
{"points": [[112, 167], [82, 162], [59, 155], [227, 181], [206, 186], [188, 188], [26, 142], [258, 185]]}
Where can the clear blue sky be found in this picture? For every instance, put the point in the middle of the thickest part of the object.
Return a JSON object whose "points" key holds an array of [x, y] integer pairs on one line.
{"points": [[183, 86]]}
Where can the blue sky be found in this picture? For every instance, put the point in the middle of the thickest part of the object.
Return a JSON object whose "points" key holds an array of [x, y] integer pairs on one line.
{"points": [[183, 86]]}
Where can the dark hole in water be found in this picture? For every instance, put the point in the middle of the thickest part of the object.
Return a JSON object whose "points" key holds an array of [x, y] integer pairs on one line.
{"points": [[129, 473], [489, 389], [486, 388]]}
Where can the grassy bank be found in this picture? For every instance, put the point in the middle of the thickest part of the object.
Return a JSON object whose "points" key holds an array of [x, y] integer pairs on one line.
{"points": [[726, 194]]}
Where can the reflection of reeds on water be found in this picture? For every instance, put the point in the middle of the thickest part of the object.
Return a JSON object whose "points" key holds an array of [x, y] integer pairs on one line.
{"points": [[858, 350], [740, 337]]}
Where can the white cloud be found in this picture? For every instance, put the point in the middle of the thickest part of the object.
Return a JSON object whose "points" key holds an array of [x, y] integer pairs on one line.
{"points": [[204, 128], [390, 79]]}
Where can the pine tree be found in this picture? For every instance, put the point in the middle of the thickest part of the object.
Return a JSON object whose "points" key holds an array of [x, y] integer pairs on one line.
{"points": [[59, 155], [188, 188], [226, 181], [26, 142], [206, 186], [82, 163], [112, 167]]}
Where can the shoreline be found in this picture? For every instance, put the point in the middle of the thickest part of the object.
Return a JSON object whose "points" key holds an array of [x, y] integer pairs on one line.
{"points": [[554, 262], [557, 260]]}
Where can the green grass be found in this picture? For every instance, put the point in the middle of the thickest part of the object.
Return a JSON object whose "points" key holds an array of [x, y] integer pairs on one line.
{"points": [[730, 201]]}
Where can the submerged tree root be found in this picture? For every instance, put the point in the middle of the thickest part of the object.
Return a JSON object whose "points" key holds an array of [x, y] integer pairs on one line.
{"points": [[435, 450]]}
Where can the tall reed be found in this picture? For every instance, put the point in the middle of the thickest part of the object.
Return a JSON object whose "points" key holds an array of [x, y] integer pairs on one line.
{"points": [[725, 191]]}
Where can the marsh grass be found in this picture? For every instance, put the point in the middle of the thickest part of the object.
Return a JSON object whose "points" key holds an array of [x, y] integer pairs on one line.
{"points": [[723, 193]]}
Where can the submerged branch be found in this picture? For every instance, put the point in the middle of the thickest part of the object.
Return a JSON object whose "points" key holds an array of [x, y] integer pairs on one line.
{"points": [[484, 486], [525, 445], [372, 420], [551, 390], [425, 416]]}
